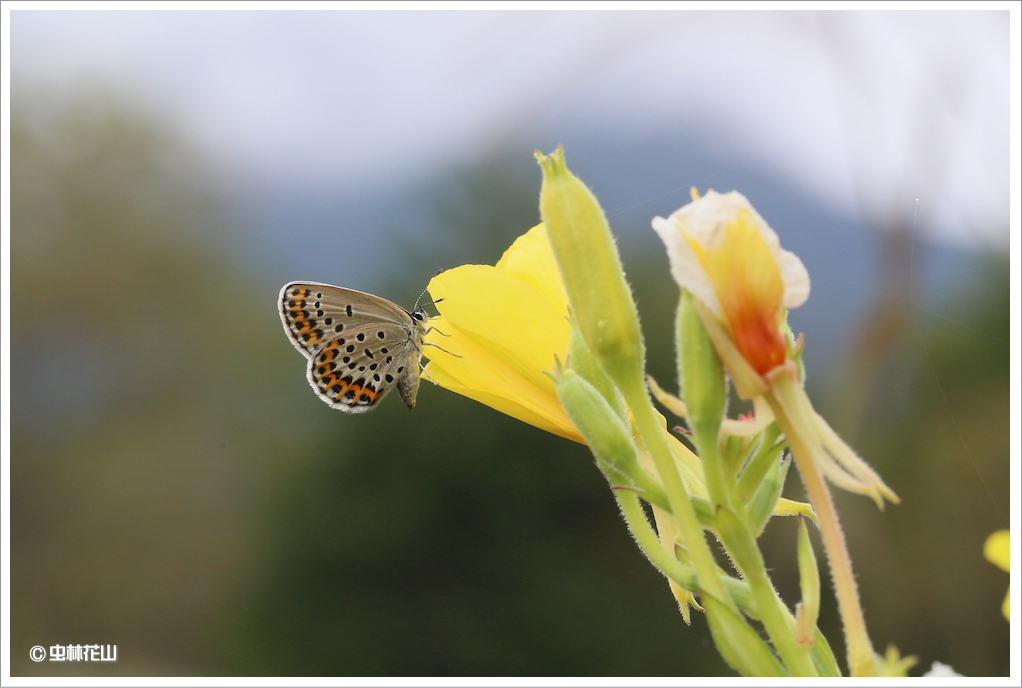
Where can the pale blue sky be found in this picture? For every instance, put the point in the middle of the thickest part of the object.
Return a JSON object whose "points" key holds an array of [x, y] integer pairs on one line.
{"points": [[866, 110]]}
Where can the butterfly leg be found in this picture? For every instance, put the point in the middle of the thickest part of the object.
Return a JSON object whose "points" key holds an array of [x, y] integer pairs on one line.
{"points": [[426, 373], [434, 329], [442, 349]]}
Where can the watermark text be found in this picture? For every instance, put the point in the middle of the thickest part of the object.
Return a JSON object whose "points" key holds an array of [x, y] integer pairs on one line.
{"points": [[74, 653]]}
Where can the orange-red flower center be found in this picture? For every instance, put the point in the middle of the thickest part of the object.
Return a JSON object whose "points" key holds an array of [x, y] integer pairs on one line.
{"points": [[750, 290]]}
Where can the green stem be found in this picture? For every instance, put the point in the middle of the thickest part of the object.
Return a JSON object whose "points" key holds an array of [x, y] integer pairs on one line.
{"points": [[683, 575], [744, 551], [666, 562], [691, 532]]}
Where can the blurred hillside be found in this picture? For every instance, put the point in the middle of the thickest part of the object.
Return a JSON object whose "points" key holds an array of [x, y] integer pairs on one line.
{"points": [[179, 491], [146, 431]]}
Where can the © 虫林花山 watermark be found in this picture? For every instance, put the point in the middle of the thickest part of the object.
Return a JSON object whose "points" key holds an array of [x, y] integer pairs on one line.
{"points": [[74, 653]]}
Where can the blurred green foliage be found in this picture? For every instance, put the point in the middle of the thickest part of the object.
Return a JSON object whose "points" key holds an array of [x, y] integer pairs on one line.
{"points": [[146, 427], [179, 491], [936, 425]]}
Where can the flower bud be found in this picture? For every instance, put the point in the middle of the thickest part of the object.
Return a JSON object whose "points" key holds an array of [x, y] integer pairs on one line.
{"points": [[723, 252], [703, 385], [738, 643], [601, 301], [607, 436], [581, 360], [764, 500]]}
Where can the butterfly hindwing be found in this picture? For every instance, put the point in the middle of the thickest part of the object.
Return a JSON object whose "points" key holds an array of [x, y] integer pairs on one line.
{"points": [[352, 373]]}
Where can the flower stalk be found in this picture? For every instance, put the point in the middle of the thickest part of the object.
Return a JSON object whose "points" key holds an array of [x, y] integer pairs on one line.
{"points": [[704, 385], [861, 656]]}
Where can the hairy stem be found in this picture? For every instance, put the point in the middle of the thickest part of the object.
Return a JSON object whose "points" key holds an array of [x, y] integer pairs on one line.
{"points": [[787, 404]]}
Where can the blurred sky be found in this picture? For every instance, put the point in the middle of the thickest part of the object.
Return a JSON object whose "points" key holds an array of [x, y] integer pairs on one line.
{"points": [[861, 109]]}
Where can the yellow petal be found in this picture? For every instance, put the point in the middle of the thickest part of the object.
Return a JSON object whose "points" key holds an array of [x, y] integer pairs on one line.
{"points": [[528, 406], [997, 549], [788, 507], [706, 220], [531, 260], [499, 331], [747, 282], [504, 315]]}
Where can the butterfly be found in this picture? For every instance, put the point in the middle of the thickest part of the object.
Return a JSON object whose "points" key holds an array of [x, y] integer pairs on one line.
{"points": [[358, 346]]}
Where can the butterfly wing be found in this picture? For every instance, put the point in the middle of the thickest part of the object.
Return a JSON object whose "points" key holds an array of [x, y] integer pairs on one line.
{"points": [[359, 346], [314, 313], [354, 372]]}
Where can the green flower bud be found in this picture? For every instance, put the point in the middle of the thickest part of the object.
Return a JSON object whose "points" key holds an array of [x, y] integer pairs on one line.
{"points": [[607, 436], [767, 457], [703, 385], [594, 280], [581, 360], [738, 643]]}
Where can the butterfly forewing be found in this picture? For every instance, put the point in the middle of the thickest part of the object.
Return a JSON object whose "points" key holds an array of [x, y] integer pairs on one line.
{"points": [[359, 346], [314, 313]]}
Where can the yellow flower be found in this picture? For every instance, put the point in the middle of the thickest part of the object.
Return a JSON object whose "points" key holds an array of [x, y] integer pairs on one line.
{"points": [[743, 282], [498, 332], [997, 550], [723, 252]]}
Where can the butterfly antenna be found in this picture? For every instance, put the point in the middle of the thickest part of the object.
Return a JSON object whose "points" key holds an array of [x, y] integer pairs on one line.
{"points": [[415, 308]]}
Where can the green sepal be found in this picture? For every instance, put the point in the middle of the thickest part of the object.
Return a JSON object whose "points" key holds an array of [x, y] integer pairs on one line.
{"points": [[764, 458], [738, 643], [808, 610], [762, 504]]}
